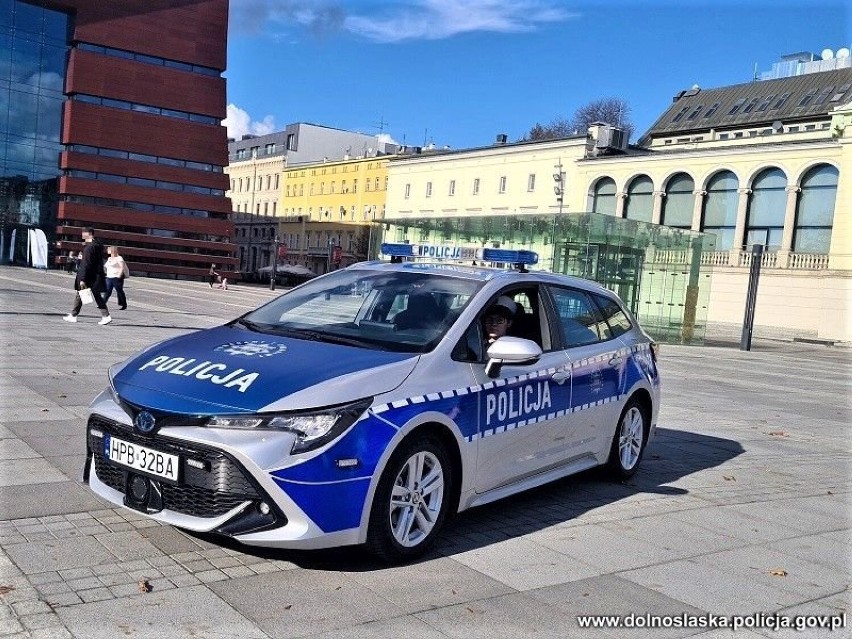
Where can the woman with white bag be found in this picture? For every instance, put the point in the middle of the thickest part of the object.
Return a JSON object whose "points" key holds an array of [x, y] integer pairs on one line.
{"points": [[116, 270], [89, 282]]}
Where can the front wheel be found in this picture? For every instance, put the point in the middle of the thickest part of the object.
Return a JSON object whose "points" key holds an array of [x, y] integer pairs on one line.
{"points": [[411, 501], [628, 443]]}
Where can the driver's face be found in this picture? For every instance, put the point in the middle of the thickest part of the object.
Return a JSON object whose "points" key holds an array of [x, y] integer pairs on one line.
{"points": [[496, 326]]}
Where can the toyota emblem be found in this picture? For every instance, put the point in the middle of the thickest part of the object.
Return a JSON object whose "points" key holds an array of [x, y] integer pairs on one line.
{"points": [[145, 422]]}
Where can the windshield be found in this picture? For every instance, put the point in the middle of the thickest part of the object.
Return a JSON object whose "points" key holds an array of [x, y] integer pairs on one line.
{"points": [[385, 310]]}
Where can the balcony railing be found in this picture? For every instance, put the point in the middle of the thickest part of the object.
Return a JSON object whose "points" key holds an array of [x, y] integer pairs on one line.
{"points": [[772, 259]]}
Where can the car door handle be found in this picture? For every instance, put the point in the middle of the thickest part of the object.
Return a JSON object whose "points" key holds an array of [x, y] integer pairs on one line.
{"points": [[561, 375], [616, 361]]}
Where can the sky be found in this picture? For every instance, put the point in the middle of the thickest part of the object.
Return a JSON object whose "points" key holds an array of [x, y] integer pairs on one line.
{"points": [[458, 72]]}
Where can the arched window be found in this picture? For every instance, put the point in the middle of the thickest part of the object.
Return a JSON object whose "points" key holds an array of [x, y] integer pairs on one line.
{"points": [[719, 214], [766, 207], [640, 199], [679, 202], [603, 200], [815, 210]]}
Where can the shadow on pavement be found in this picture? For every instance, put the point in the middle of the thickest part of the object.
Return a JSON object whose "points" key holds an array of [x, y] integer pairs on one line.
{"points": [[672, 455]]}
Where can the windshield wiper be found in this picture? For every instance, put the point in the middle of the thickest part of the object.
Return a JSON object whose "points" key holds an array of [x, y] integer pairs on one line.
{"points": [[318, 336], [253, 326]]}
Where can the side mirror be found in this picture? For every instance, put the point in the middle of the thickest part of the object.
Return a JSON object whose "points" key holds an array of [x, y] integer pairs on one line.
{"points": [[510, 350]]}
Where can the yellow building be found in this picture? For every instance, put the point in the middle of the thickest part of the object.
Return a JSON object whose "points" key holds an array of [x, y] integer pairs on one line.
{"points": [[760, 163], [331, 204]]}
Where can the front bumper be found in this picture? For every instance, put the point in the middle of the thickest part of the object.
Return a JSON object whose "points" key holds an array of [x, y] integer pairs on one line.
{"points": [[219, 490]]}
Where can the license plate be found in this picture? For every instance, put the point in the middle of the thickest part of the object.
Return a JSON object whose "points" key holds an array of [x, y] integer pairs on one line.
{"points": [[152, 462]]}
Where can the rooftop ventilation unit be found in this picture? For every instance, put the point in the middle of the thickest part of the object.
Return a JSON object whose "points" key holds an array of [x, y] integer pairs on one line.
{"points": [[611, 138]]}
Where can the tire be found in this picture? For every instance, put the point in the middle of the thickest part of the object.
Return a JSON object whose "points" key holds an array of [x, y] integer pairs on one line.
{"points": [[406, 517], [628, 443]]}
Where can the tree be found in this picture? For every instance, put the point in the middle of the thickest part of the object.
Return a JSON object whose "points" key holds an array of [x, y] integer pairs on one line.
{"points": [[558, 128], [612, 111]]}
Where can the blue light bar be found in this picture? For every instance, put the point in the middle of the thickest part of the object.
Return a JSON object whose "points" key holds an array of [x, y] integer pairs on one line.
{"points": [[459, 253], [509, 255]]}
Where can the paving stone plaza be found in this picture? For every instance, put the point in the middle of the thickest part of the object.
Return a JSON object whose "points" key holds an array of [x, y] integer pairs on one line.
{"points": [[742, 507]]}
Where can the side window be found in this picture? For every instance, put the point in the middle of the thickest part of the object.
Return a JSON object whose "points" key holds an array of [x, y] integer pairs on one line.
{"points": [[613, 315], [578, 317], [530, 320], [470, 347]]}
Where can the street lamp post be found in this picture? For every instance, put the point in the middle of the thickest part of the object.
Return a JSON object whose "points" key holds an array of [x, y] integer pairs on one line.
{"points": [[559, 190], [274, 273]]}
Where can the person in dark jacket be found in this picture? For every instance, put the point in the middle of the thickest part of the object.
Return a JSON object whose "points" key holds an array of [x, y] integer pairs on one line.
{"points": [[90, 275]]}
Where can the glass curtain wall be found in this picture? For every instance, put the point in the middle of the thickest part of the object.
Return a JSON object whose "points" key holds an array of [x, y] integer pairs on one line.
{"points": [[655, 269], [33, 57]]}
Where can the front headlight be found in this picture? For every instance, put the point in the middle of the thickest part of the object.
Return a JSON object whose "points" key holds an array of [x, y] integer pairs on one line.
{"points": [[312, 428]]}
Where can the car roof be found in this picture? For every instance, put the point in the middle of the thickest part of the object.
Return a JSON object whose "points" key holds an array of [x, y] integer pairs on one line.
{"points": [[480, 273]]}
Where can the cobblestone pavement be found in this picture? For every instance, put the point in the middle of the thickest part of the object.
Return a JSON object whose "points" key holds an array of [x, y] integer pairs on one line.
{"points": [[742, 507]]}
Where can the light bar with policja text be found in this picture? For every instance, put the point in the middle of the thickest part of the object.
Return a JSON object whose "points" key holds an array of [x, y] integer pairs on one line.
{"points": [[459, 253]]}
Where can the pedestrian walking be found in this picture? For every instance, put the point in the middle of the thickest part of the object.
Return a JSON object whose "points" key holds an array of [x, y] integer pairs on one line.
{"points": [[90, 275], [116, 271], [214, 276]]}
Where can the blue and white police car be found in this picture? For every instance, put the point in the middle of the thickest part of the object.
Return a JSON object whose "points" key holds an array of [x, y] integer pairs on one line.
{"points": [[367, 405]]}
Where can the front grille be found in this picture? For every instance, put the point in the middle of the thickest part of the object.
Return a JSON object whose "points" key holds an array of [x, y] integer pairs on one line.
{"points": [[209, 492]]}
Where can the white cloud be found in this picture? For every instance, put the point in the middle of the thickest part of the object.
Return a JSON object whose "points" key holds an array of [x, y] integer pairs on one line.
{"points": [[439, 19], [400, 20], [239, 123]]}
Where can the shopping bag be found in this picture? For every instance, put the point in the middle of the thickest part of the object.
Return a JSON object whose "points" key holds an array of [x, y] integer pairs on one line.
{"points": [[86, 296]]}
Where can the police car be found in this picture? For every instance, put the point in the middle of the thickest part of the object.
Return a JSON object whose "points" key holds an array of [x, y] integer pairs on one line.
{"points": [[367, 406]]}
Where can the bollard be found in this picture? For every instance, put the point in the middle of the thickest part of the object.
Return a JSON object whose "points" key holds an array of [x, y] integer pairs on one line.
{"points": [[751, 297]]}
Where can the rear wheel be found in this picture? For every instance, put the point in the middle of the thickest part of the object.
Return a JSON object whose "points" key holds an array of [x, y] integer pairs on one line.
{"points": [[628, 443], [411, 500]]}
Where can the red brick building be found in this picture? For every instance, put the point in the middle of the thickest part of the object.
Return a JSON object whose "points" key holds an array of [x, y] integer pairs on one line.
{"points": [[143, 148]]}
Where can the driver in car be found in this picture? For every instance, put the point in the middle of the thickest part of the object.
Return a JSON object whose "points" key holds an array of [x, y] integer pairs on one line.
{"points": [[498, 319]]}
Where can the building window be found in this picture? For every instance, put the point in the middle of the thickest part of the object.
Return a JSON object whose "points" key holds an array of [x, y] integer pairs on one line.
{"points": [[679, 202], [695, 112], [377, 184], [428, 189], [640, 199], [502, 188], [291, 141], [407, 191], [476, 186], [603, 196], [807, 97], [531, 182], [452, 190], [766, 207], [276, 181], [712, 109], [679, 115], [815, 210], [719, 213], [737, 106]]}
